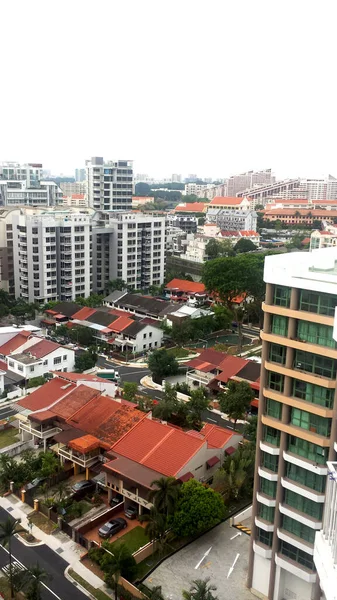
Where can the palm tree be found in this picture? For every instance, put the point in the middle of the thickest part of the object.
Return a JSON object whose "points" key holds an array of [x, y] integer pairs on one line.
{"points": [[156, 526], [115, 562], [200, 590], [154, 593], [8, 529], [165, 494], [38, 577]]}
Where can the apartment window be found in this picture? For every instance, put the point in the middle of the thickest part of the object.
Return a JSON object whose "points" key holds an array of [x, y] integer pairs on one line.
{"points": [[306, 478], [308, 450], [316, 334], [273, 409], [275, 381], [268, 487], [150, 334], [312, 422], [296, 528], [312, 363], [270, 461], [144, 346], [303, 504], [57, 360], [279, 325], [313, 393], [282, 296], [299, 556], [265, 537], [266, 512], [156, 344], [45, 362], [20, 368], [322, 304], [277, 353], [64, 357]]}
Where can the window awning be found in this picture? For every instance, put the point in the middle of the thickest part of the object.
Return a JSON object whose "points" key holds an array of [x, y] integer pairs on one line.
{"points": [[186, 477], [230, 450], [212, 461]]}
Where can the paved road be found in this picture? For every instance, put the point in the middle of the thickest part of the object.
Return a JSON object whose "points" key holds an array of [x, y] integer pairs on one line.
{"points": [[59, 588], [6, 411]]}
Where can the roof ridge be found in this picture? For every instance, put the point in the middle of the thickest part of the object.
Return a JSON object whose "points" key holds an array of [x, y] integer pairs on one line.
{"points": [[99, 393], [55, 402], [157, 444], [146, 416]]}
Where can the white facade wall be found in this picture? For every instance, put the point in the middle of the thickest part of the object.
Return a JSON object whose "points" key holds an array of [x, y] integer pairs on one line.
{"points": [[147, 339], [61, 359], [109, 184]]}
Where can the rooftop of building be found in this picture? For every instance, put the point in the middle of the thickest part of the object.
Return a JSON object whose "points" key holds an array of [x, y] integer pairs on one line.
{"points": [[46, 395], [302, 212], [196, 207], [66, 308], [16, 342], [143, 303], [183, 285]]}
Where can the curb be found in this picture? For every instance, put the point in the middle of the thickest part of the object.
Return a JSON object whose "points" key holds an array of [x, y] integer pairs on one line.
{"points": [[30, 544], [76, 584]]}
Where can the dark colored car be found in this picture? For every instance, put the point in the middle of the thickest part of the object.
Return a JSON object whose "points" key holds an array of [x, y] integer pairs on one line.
{"points": [[116, 500], [131, 512], [112, 527], [84, 487], [37, 482]]}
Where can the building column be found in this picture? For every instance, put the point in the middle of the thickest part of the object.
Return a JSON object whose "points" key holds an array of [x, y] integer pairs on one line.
{"points": [[333, 436], [109, 495], [279, 498], [269, 294], [87, 473], [264, 357], [76, 468], [294, 298], [44, 444]]}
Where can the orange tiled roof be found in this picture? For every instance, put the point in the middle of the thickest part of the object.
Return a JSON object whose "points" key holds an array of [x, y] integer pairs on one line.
{"points": [[69, 406], [183, 285], [303, 212], [83, 444], [48, 393], [216, 437], [84, 313], [226, 201], [15, 343], [190, 207], [41, 348], [159, 447], [78, 196], [249, 233], [120, 323]]}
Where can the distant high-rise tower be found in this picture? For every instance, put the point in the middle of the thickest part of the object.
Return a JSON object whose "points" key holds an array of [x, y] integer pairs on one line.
{"points": [[109, 184], [80, 174]]}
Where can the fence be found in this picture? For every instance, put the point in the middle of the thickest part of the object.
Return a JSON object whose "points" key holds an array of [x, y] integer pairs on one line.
{"points": [[101, 518]]}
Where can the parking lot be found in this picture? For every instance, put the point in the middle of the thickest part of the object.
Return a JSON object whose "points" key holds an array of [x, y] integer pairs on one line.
{"points": [[225, 545], [131, 524]]}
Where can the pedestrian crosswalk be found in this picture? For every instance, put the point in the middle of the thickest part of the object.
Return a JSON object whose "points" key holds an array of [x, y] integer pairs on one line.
{"points": [[16, 567]]}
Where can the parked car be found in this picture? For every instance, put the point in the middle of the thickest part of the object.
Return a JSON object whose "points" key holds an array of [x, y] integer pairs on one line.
{"points": [[116, 500], [84, 487], [37, 482], [131, 512], [112, 527]]}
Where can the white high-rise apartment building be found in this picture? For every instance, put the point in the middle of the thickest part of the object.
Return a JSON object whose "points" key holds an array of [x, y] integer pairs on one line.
{"points": [[129, 246], [74, 187], [297, 432], [238, 183], [80, 175], [23, 185], [196, 189], [319, 189], [109, 184], [52, 256]]}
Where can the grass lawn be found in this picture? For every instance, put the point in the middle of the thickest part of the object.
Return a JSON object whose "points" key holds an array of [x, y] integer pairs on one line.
{"points": [[178, 352], [96, 593], [42, 522], [134, 539], [8, 437]]}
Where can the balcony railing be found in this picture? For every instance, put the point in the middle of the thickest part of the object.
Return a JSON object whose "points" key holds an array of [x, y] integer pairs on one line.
{"points": [[196, 376], [136, 498], [37, 433], [83, 461]]}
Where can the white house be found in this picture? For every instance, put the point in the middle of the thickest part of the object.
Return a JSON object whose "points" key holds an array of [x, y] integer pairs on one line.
{"points": [[139, 337], [37, 356]]}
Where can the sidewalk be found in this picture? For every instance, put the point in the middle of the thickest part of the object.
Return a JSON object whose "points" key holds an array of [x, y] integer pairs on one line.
{"points": [[72, 552]]}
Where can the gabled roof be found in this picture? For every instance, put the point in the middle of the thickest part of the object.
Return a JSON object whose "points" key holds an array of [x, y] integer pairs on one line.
{"points": [[83, 313], [100, 317], [85, 443], [42, 348], [159, 447], [250, 371], [121, 323], [66, 308], [134, 328], [184, 285], [143, 303], [48, 393], [207, 356], [249, 233], [229, 367], [15, 343], [196, 207], [226, 201], [115, 295]]}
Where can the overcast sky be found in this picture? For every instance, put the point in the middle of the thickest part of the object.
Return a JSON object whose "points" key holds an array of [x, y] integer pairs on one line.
{"points": [[180, 86]]}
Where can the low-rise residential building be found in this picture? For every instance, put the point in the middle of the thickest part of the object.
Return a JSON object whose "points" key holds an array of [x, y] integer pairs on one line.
{"points": [[186, 223], [232, 219], [139, 201], [229, 203], [184, 313], [182, 290], [292, 216], [32, 356], [191, 207], [75, 200], [139, 306], [323, 239], [196, 250], [235, 236]]}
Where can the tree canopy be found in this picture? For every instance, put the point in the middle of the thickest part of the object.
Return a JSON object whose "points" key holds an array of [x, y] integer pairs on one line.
{"points": [[200, 589], [162, 364], [198, 508], [85, 361], [130, 390], [235, 401], [244, 245]]}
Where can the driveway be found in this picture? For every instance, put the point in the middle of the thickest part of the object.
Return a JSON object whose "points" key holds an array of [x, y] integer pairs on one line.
{"points": [[176, 573], [92, 534]]}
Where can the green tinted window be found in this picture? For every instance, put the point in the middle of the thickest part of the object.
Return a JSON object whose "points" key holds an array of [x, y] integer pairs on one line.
{"points": [[307, 450], [316, 334], [313, 393], [307, 420], [279, 325], [282, 295], [322, 304], [277, 353], [273, 409]]}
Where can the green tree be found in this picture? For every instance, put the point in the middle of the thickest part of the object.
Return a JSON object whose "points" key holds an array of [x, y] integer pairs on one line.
{"points": [[244, 245], [50, 464], [130, 389], [8, 529], [153, 593], [250, 429], [85, 361], [93, 301], [235, 479], [142, 189], [198, 403], [200, 589], [156, 527], [162, 364], [164, 494], [212, 249], [117, 561], [116, 284], [198, 508], [82, 335], [38, 576], [168, 406], [235, 401]]}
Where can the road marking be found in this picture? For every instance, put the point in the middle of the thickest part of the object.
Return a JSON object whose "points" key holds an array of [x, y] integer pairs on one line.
{"points": [[16, 565], [133, 372], [233, 565], [213, 420], [200, 561], [243, 528], [236, 535], [23, 568]]}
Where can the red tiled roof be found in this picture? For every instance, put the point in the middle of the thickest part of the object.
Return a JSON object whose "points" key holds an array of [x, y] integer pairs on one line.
{"points": [[158, 447], [229, 367], [120, 324], [47, 394], [186, 477], [3, 365], [78, 376], [43, 415], [216, 437], [42, 348], [208, 355], [84, 444], [248, 233], [51, 312], [290, 212], [14, 343], [84, 313], [118, 312], [226, 201], [230, 233], [213, 461], [185, 286], [190, 207], [78, 196], [79, 397], [107, 419]]}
